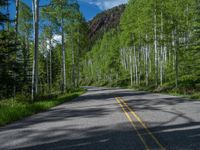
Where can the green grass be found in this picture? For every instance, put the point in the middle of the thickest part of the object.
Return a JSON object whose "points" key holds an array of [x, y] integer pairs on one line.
{"points": [[13, 110], [194, 95]]}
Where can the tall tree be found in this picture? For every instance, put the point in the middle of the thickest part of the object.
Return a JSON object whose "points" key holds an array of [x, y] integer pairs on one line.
{"points": [[61, 14], [35, 59], [24, 31]]}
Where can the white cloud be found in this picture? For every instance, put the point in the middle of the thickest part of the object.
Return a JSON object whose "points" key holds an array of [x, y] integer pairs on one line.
{"points": [[105, 4], [46, 46], [54, 41]]}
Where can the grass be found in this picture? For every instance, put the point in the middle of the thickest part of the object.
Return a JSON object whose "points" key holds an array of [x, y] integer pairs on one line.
{"points": [[183, 92], [186, 89], [193, 96], [13, 110]]}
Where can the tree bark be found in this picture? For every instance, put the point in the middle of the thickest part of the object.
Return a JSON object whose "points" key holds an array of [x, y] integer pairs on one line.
{"points": [[63, 58], [135, 69], [161, 51], [35, 59], [146, 61], [47, 71], [155, 45], [176, 57], [131, 67], [50, 65]]}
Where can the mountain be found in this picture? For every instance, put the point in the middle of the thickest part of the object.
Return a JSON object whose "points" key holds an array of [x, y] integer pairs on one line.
{"points": [[105, 21]]}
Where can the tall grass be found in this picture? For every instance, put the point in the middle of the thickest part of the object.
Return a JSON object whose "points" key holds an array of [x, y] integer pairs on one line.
{"points": [[13, 110]]}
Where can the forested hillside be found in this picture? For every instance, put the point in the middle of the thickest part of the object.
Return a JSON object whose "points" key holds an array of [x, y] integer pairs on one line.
{"points": [[105, 21], [157, 47]]}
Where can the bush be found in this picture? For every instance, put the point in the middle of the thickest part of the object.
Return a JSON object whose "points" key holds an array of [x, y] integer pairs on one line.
{"points": [[23, 98], [188, 81]]}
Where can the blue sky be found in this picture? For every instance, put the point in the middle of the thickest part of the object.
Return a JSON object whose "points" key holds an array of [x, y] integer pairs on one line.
{"points": [[89, 8]]}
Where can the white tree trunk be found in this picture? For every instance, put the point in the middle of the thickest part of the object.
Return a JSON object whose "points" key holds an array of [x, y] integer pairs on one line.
{"points": [[50, 65], [35, 60], [131, 67], [176, 57], [146, 61], [63, 58], [136, 66], [139, 62], [161, 51], [47, 70], [155, 45]]}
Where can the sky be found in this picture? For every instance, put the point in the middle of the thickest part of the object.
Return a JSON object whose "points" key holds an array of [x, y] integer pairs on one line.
{"points": [[89, 8]]}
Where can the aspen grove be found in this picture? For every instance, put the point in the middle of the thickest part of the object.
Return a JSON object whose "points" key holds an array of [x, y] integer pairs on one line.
{"points": [[155, 46]]}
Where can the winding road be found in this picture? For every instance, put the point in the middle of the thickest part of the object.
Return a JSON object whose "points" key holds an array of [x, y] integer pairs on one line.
{"points": [[109, 119]]}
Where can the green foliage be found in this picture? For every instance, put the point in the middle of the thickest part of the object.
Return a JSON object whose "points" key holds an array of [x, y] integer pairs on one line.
{"points": [[10, 68], [12, 110], [75, 43], [102, 64], [16, 49], [16, 57], [25, 19], [157, 47]]}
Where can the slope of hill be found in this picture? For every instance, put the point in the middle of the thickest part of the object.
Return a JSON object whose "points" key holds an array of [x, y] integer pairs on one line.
{"points": [[105, 21]]}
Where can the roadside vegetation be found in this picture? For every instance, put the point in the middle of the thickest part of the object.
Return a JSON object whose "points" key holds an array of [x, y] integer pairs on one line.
{"points": [[20, 107], [40, 51], [155, 47]]}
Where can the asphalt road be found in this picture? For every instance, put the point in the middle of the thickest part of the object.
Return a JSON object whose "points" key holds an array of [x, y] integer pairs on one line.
{"points": [[109, 119]]}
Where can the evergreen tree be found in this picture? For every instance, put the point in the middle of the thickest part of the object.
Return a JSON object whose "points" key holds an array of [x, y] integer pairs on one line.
{"points": [[3, 16]]}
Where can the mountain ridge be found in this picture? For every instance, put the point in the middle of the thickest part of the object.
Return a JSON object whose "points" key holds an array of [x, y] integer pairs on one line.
{"points": [[104, 21]]}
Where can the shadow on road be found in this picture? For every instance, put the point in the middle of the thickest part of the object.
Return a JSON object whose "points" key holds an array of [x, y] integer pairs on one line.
{"points": [[101, 138], [120, 136]]}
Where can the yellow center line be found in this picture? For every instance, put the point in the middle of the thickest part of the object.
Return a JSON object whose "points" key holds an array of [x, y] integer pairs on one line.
{"points": [[132, 123], [142, 123]]}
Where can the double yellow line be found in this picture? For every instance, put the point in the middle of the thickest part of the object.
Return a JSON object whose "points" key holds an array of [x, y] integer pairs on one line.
{"points": [[124, 105]]}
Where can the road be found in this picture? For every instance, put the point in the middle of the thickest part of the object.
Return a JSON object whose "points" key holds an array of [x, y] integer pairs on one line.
{"points": [[109, 119]]}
